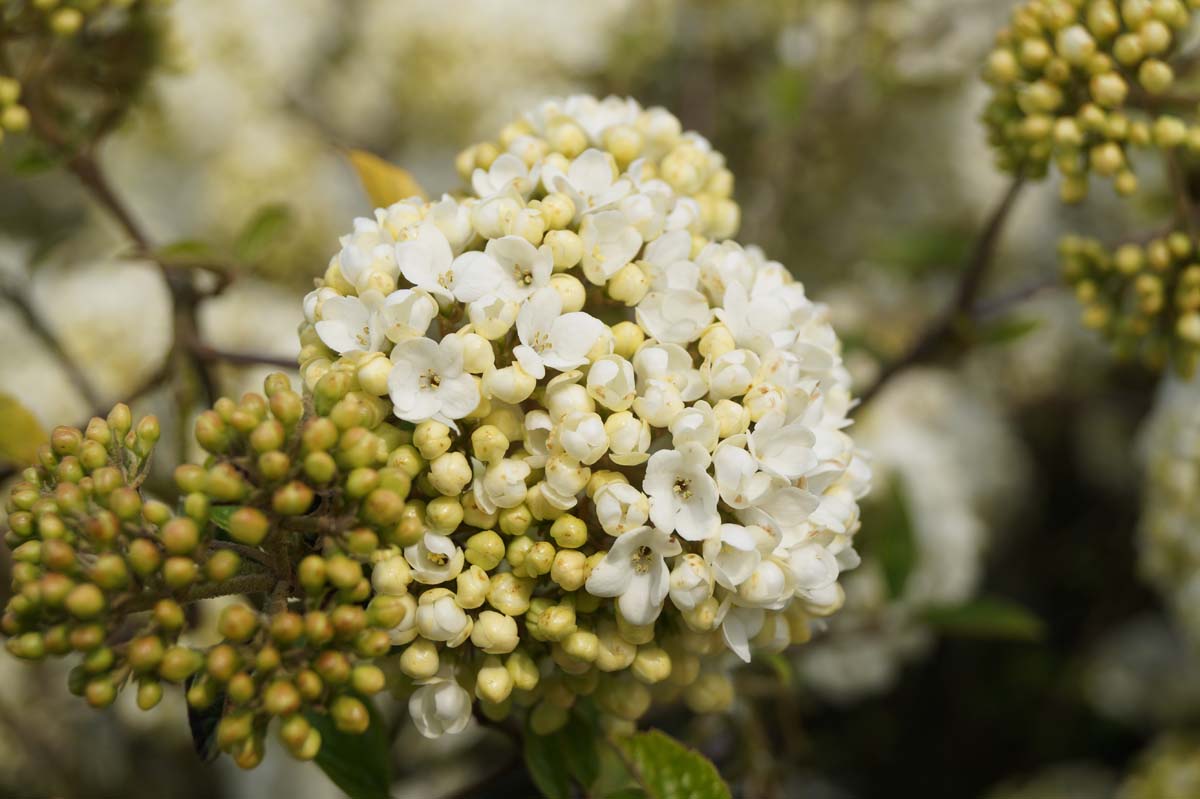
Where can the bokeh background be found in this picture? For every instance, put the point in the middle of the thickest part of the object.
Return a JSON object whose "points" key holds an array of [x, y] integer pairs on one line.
{"points": [[1025, 621]]}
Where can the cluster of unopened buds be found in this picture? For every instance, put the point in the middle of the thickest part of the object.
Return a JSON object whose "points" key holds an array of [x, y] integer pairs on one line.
{"points": [[557, 439], [1079, 83], [65, 18], [1145, 298]]}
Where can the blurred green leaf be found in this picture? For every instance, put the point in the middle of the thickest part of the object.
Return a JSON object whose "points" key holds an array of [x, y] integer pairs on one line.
{"points": [[219, 515], [986, 618], [34, 159], [569, 755], [782, 667], [263, 231], [186, 249], [20, 431], [1006, 331], [202, 722], [890, 537], [361, 765], [923, 250], [666, 769]]}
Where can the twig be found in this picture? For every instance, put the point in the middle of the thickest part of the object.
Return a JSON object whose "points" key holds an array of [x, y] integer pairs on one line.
{"points": [[950, 324], [258, 583], [986, 309], [1184, 211], [212, 354], [34, 322]]}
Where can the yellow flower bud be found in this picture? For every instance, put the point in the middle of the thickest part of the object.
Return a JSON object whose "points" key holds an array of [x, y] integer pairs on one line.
{"points": [[515, 521], [450, 473], [569, 531], [493, 683], [488, 443], [636, 634], [495, 633], [420, 659], [511, 384], [473, 584], [624, 698], [570, 290], [510, 594], [431, 439], [523, 670], [566, 248], [444, 514], [1155, 76], [702, 618], [712, 692], [485, 549], [557, 213], [651, 665], [391, 577], [614, 653], [627, 338]]}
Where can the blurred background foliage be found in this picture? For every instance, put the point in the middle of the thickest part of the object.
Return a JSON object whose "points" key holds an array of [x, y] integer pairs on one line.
{"points": [[999, 640]]}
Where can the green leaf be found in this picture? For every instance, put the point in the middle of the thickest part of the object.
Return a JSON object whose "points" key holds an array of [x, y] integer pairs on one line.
{"points": [[781, 665], [20, 432], [264, 229], [569, 755], [922, 250], [361, 765], [666, 769], [219, 515], [185, 249], [986, 618], [203, 725], [889, 537], [1005, 331]]}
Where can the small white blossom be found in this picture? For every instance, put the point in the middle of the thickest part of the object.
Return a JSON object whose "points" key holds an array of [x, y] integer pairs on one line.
{"points": [[428, 381], [505, 172], [675, 316], [551, 338], [620, 508], [440, 707], [609, 242], [634, 571], [434, 559], [522, 268], [683, 496]]}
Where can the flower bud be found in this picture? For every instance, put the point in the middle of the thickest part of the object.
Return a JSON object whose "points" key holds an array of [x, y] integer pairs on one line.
{"points": [[493, 683], [472, 586], [449, 473]]}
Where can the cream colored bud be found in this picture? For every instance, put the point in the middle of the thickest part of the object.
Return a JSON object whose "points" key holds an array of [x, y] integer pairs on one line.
{"points": [[529, 225], [493, 683], [1109, 89], [450, 473], [566, 247], [485, 549], [602, 477], [431, 439], [391, 577], [523, 670], [1169, 131], [565, 398], [624, 142], [726, 219], [566, 137], [493, 318], [1188, 327], [570, 290], [624, 698], [557, 213], [702, 618], [510, 594], [627, 339], [420, 659], [716, 341], [495, 633], [473, 585], [732, 418], [658, 404], [1155, 76], [1107, 158], [614, 653], [569, 531], [569, 571], [629, 285], [540, 505], [685, 666], [628, 438], [488, 443], [512, 384], [540, 559], [1075, 45], [478, 355], [566, 476], [494, 217], [636, 634], [444, 514], [712, 692], [441, 618], [557, 622], [373, 374], [651, 664], [515, 521], [582, 645], [475, 516]]}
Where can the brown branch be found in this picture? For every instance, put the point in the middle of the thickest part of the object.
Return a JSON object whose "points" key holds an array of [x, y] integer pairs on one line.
{"points": [[258, 583], [213, 354], [950, 325], [38, 326]]}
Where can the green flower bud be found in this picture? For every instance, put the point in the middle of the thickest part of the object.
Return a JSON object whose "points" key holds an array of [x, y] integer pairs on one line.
{"points": [[319, 467], [350, 715], [312, 574], [237, 623], [319, 435], [280, 698], [179, 663], [249, 526], [168, 615], [85, 601], [222, 565], [274, 466], [180, 536], [149, 694], [179, 572]]}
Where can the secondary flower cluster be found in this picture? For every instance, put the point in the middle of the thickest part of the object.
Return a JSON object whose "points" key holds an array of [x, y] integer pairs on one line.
{"points": [[630, 433], [1078, 84], [1145, 298]]}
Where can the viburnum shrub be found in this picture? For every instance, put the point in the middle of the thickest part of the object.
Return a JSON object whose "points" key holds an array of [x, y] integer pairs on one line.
{"points": [[558, 437]]}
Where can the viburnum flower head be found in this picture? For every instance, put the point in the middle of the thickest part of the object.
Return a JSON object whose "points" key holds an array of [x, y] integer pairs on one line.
{"points": [[617, 427]]}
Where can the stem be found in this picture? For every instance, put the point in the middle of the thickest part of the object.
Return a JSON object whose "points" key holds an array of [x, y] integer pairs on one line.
{"points": [[962, 307], [259, 583], [212, 354], [1184, 210]]}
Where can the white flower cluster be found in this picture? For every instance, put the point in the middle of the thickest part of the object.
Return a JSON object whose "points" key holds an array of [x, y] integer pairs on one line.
{"points": [[648, 413], [924, 434], [1169, 529]]}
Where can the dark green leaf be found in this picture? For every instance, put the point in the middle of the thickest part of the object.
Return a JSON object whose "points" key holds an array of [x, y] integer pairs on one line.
{"points": [[627, 793], [262, 232], [203, 725], [1006, 331], [666, 769], [361, 765], [986, 618], [568, 755], [923, 250], [219, 515], [889, 536]]}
